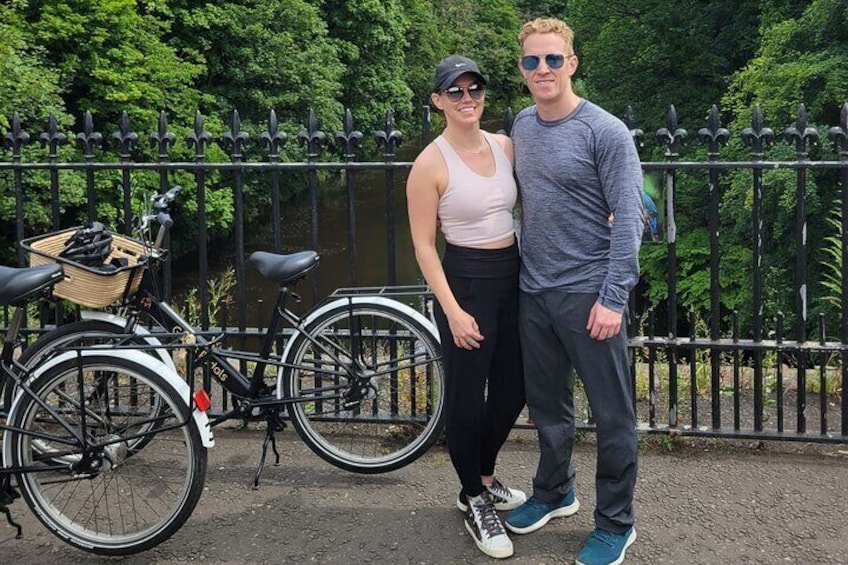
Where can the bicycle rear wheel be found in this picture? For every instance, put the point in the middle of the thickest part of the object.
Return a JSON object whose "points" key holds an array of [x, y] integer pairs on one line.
{"points": [[83, 333], [106, 499], [371, 387]]}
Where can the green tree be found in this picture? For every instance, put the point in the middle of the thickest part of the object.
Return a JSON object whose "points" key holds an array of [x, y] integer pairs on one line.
{"points": [[371, 35], [425, 33], [487, 32], [530, 9], [801, 60], [111, 57], [262, 55], [28, 84], [651, 54]]}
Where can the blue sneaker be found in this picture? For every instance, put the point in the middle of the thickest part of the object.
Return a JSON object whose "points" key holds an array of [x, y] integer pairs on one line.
{"points": [[606, 548], [535, 513]]}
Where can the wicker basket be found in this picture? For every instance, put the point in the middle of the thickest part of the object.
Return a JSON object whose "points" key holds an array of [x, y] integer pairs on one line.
{"points": [[85, 285]]}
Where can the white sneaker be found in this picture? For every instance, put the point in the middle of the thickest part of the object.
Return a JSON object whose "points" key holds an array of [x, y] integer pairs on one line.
{"points": [[484, 525], [503, 497]]}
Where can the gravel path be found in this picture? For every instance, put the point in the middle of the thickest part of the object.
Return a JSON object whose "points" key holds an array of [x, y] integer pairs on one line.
{"points": [[701, 502]]}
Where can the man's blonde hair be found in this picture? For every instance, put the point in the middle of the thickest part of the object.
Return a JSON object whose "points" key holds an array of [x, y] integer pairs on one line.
{"points": [[548, 25]]}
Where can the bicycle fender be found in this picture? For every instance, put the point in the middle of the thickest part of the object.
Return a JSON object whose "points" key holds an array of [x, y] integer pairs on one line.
{"points": [[399, 306], [201, 420], [139, 329]]}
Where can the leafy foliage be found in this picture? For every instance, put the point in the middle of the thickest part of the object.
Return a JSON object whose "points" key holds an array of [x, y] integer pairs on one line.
{"points": [[145, 57]]}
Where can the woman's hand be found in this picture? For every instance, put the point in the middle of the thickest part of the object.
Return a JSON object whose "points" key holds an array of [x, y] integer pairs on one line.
{"points": [[465, 331]]}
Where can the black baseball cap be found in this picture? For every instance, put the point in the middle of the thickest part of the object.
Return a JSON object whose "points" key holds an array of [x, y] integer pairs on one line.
{"points": [[453, 67]]}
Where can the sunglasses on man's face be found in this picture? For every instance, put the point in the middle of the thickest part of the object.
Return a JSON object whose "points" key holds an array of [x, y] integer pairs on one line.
{"points": [[455, 93], [552, 60]]}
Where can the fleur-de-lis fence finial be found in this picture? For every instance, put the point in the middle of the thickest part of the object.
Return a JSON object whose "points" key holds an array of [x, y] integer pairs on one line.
{"points": [[162, 138], [388, 137], [273, 138], [800, 134], [757, 137], [52, 138], [199, 138], [88, 138], [637, 134], [235, 139], [311, 137], [839, 134], [714, 136], [348, 140], [125, 138], [672, 135], [17, 137]]}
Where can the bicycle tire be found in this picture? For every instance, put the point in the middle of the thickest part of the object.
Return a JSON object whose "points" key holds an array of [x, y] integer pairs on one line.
{"points": [[107, 501], [401, 414], [68, 335], [79, 333]]}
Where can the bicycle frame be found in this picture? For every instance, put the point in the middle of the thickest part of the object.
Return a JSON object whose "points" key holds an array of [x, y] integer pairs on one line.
{"points": [[250, 389], [246, 388]]}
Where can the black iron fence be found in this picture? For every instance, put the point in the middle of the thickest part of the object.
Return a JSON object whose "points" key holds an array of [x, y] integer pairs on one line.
{"points": [[764, 381]]}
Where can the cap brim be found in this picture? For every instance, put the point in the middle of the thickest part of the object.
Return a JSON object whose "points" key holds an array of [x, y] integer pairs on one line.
{"points": [[451, 78]]}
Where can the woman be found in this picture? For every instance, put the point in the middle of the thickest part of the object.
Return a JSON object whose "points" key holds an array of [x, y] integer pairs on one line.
{"points": [[463, 182]]}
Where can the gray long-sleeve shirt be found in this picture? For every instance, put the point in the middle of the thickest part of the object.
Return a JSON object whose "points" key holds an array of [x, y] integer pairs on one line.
{"points": [[572, 173]]}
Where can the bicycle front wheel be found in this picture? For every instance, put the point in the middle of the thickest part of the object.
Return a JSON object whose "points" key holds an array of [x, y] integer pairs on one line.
{"points": [[369, 387], [97, 494]]}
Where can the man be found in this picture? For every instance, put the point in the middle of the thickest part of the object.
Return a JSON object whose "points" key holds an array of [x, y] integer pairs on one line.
{"points": [[581, 226]]}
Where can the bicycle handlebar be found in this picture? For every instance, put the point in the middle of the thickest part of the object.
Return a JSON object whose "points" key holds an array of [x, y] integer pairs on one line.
{"points": [[161, 201], [160, 204]]}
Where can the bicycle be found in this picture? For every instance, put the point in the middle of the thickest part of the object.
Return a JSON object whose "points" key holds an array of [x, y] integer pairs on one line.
{"points": [[71, 437], [360, 376]]}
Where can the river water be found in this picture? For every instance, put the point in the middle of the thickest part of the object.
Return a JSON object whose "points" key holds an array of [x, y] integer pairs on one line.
{"points": [[333, 271]]}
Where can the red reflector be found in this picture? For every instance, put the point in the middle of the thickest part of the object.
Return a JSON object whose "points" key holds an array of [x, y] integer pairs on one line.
{"points": [[202, 400]]}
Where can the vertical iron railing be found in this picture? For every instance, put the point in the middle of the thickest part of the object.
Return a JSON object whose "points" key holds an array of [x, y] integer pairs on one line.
{"points": [[713, 136], [313, 140], [839, 136], [800, 134], [757, 137], [671, 136], [198, 140], [389, 138], [665, 349], [349, 140], [162, 140]]}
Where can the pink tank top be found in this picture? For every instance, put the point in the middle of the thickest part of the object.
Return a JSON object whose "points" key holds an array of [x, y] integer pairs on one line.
{"points": [[475, 210]]}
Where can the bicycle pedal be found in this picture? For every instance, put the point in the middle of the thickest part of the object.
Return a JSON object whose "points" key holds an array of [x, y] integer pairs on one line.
{"points": [[8, 495]]}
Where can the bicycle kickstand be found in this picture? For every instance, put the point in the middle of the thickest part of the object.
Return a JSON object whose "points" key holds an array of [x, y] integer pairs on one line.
{"points": [[5, 510], [273, 426], [7, 496]]}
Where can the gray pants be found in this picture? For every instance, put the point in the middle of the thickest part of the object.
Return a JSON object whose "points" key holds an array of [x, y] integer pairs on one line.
{"points": [[555, 343]]}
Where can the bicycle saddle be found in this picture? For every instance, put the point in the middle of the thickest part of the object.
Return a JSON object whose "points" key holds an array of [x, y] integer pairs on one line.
{"points": [[16, 285], [284, 269]]}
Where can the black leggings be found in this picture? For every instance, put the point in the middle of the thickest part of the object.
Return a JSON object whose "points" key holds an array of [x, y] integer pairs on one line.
{"points": [[485, 387]]}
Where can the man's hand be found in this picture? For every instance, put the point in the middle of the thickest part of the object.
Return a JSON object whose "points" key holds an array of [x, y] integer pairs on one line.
{"points": [[603, 322]]}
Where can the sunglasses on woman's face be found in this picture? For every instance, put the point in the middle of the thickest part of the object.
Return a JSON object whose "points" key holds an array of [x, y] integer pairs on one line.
{"points": [[552, 60], [455, 93]]}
